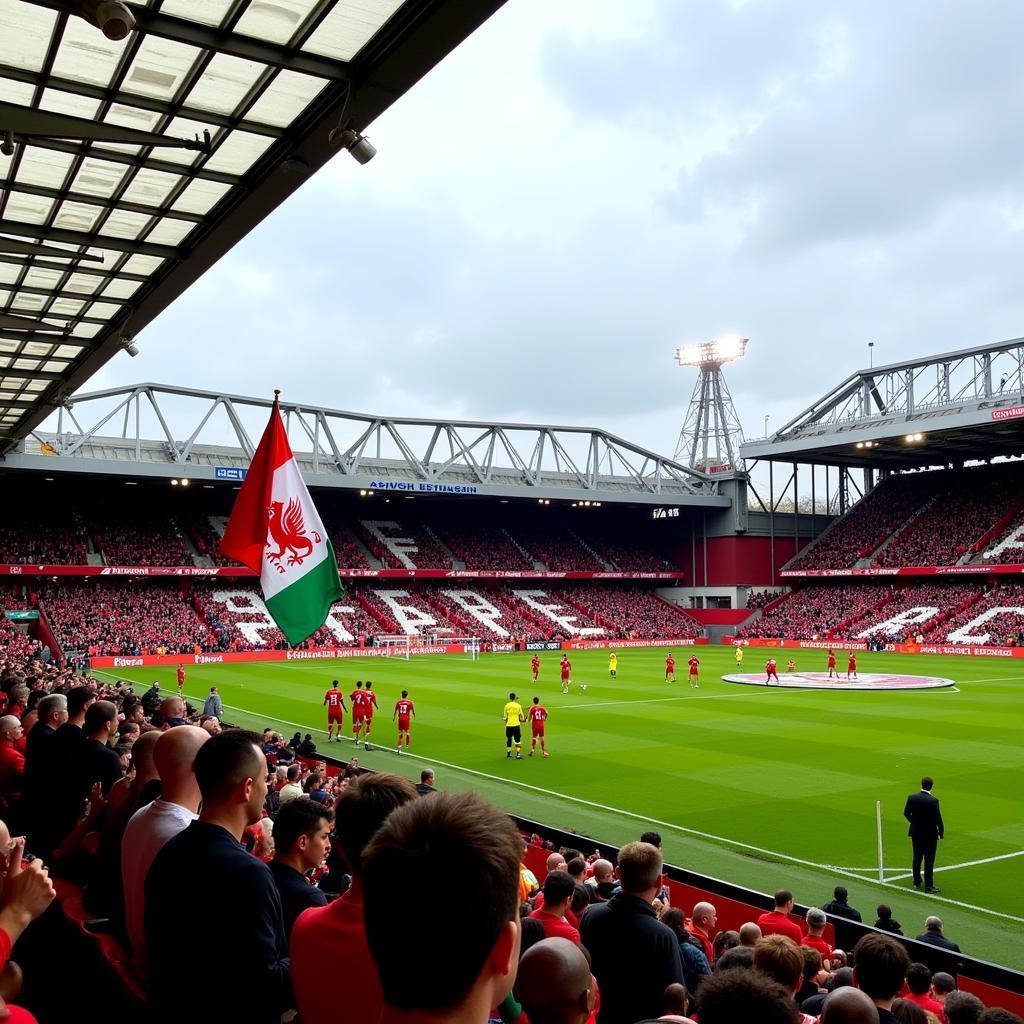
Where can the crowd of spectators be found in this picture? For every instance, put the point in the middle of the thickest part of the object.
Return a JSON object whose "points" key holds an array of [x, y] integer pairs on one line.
{"points": [[632, 612], [759, 598], [402, 545], [39, 536], [156, 541], [482, 545], [949, 598], [128, 804], [955, 521], [869, 522], [124, 617], [1006, 629], [625, 555], [556, 548], [825, 611]]}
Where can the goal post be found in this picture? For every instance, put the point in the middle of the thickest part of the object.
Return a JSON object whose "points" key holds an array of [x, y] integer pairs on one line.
{"points": [[401, 645]]}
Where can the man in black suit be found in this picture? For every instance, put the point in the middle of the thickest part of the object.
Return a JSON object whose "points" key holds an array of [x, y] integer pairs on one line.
{"points": [[926, 829]]}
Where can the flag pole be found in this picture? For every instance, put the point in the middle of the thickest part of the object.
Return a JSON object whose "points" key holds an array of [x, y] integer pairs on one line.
{"points": [[878, 829]]}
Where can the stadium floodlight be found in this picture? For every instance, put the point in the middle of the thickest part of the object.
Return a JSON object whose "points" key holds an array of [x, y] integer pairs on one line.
{"points": [[712, 353], [362, 150]]}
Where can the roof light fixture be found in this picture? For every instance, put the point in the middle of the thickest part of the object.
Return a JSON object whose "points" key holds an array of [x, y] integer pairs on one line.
{"points": [[362, 150]]}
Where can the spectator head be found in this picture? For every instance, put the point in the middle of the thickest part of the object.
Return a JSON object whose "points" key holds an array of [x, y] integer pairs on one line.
{"points": [[79, 698], [128, 732], [880, 966], [907, 1012], [942, 984], [135, 713], [812, 962], [676, 1000], [704, 917], [640, 870], [816, 921], [172, 707], [997, 1015], [458, 836], [783, 901], [211, 725], [302, 833], [884, 912], [725, 940], [100, 721], [742, 995], [174, 757], [53, 710], [848, 1005], [294, 771], [558, 890], [780, 958], [962, 1008], [10, 729], [427, 777], [738, 956], [919, 979], [362, 809], [926, 783], [213, 689], [142, 754], [554, 983], [839, 894], [750, 933], [654, 838], [840, 979], [577, 867], [604, 870], [231, 771], [933, 924], [555, 862]]}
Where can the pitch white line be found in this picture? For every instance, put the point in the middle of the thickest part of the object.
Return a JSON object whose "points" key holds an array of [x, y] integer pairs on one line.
{"points": [[965, 864], [652, 700], [724, 840]]}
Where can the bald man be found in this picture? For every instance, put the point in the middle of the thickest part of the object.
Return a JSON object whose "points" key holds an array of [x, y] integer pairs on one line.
{"points": [[750, 934], [151, 827], [12, 762], [554, 983], [172, 712], [849, 1006]]}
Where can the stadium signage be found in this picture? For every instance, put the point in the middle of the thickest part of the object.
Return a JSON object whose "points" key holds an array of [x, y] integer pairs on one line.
{"points": [[209, 659], [1014, 412], [126, 662], [544, 645], [405, 485], [1011, 568], [234, 657], [236, 473]]}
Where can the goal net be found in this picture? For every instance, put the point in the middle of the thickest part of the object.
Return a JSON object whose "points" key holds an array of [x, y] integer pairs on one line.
{"points": [[403, 645]]}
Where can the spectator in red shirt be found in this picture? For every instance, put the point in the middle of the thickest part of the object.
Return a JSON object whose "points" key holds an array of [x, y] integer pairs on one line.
{"points": [[919, 981], [702, 928], [558, 891], [12, 761], [777, 922], [324, 937], [816, 921]]}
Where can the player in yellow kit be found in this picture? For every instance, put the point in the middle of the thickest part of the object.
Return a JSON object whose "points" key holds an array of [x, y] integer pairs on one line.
{"points": [[514, 718], [739, 657], [613, 664]]}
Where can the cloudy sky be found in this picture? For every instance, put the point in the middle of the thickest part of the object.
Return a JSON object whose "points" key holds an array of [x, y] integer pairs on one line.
{"points": [[584, 185]]}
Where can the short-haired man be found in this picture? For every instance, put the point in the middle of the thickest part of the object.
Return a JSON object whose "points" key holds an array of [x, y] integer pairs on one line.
{"points": [[943, 984], [302, 832], [777, 922], [460, 836], [554, 983], [425, 787], [779, 957], [963, 1008], [839, 906], [919, 981], [848, 1005], [815, 937], [513, 717], [602, 882], [97, 760], [750, 934], [336, 934], [728, 997], [244, 940], [933, 936], [926, 829], [879, 968], [212, 706], [635, 957], [292, 788], [12, 761], [558, 892]]}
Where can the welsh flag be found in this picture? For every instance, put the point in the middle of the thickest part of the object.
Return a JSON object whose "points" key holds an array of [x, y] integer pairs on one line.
{"points": [[276, 530]]}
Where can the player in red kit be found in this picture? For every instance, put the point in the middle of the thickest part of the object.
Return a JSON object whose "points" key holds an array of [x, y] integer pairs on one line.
{"points": [[538, 715], [369, 706], [334, 701], [670, 669], [694, 664], [771, 670], [565, 669], [181, 679], [851, 666], [791, 665], [404, 710], [832, 665], [357, 696], [535, 667]]}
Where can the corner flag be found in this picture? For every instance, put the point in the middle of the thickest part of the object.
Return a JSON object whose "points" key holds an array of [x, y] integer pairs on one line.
{"points": [[276, 530]]}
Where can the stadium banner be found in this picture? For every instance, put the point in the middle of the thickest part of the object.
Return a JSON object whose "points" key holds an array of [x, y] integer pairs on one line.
{"points": [[376, 574], [1009, 569], [967, 650], [234, 657], [544, 645], [593, 645]]}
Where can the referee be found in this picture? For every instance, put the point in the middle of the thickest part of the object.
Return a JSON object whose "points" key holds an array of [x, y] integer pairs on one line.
{"points": [[514, 717]]}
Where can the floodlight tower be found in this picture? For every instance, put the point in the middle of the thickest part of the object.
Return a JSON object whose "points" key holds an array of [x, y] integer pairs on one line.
{"points": [[711, 433]]}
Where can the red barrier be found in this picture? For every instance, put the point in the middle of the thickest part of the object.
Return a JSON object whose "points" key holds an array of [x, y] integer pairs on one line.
{"points": [[381, 574], [1014, 569], [232, 657], [966, 650]]}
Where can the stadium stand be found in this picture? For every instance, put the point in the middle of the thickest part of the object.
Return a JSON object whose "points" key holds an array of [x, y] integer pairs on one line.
{"points": [[483, 545], [556, 548], [623, 553], [1006, 628], [631, 612], [402, 545], [828, 610]]}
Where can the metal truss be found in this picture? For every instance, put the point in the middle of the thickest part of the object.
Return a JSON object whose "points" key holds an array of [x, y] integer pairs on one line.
{"points": [[989, 373], [347, 449], [711, 433]]}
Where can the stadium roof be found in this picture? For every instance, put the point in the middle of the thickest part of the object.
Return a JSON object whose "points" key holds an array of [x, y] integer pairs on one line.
{"points": [[958, 406], [128, 168], [174, 432]]}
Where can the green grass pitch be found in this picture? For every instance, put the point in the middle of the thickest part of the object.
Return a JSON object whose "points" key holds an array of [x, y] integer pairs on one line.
{"points": [[765, 788]]}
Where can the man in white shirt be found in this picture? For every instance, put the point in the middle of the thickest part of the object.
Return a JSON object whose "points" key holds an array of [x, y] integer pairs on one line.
{"points": [[152, 825], [293, 788]]}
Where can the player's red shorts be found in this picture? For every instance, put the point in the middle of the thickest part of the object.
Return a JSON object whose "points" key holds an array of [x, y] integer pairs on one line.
{"points": [[335, 715], [357, 715], [403, 724], [538, 729], [693, 671], [565, 675]]}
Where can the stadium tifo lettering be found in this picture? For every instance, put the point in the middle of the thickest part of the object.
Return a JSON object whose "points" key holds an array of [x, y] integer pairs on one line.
{"points": [[898, 623], [403, 485]]}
